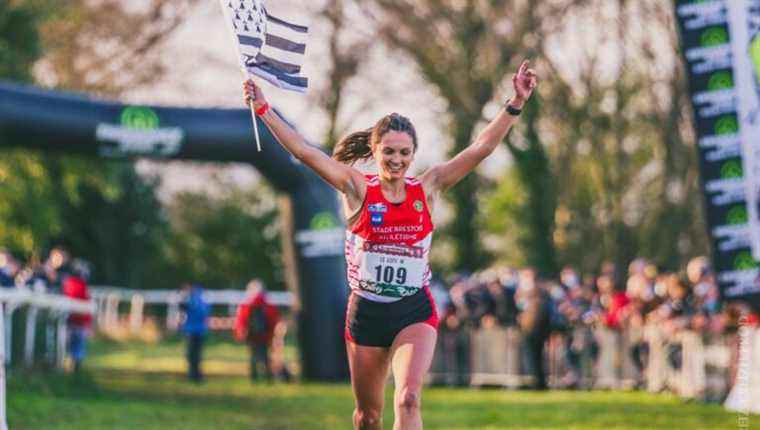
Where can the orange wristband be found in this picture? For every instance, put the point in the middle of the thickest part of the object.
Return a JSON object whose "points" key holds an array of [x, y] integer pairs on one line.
{"points": [[262, 110]]}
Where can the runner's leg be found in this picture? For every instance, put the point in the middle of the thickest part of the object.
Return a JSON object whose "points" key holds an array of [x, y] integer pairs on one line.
{"points": [[369, 370], [412, 353]]}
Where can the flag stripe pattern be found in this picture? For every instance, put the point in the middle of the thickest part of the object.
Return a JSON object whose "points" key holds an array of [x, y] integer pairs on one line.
{"points": [[294, 27], [269, 47]]}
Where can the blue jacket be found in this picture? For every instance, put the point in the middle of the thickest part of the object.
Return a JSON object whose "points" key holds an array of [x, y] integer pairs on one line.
{"points": [[196, 313]]}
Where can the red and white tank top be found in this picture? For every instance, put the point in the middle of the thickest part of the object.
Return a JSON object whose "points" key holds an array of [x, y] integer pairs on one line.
{"points": [[387, 249]]}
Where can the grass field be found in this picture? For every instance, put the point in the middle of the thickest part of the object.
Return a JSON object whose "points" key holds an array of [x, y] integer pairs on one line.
{"points": [[136, 386]]}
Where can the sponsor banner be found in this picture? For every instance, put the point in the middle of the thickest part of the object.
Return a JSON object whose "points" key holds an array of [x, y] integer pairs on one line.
{"points": [[139, 133], [744, 19], [714, 35], [325, 237]]}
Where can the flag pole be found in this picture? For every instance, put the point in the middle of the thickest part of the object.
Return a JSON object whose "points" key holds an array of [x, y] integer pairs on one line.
{"points": [[255, 126]]}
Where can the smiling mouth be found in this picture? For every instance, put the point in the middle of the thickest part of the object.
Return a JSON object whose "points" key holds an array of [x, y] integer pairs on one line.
{"points": [[395, 168]]}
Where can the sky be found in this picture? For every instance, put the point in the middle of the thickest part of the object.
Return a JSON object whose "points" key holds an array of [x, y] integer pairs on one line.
{"points": [[211, 77]]}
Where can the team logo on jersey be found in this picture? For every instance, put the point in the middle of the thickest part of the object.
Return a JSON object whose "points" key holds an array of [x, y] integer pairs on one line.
{"points": [[418, 206], [376, 219], [377, 208]]}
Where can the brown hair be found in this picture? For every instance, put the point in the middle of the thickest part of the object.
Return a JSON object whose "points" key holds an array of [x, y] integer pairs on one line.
{"points": [[358, 146]]}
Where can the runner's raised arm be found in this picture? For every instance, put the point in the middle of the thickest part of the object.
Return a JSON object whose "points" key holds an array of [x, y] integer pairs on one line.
{"points": [[342, 177], [443, 176]]}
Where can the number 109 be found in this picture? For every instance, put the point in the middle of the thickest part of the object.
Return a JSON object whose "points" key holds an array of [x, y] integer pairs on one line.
{"points": [[388, 274]]}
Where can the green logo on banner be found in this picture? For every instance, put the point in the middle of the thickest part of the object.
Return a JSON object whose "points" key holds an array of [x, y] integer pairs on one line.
{"points": [[737, 215], [744, 261], [323, 221], [139, 117], [731, 170], [754, 53], [726, 125], [714, 36], [720, 81]]}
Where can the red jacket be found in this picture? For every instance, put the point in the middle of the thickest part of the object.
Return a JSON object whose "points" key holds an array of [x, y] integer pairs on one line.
{"points": [[242, 320], [76, 288], [613, 317]]}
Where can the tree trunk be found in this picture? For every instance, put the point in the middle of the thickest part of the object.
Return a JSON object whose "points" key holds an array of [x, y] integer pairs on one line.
{"points": [[463, 197], [536, 175]]}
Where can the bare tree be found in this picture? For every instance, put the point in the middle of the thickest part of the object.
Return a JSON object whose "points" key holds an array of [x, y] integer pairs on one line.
{"points": [[109, 46], [346, 51], [625, 144]]}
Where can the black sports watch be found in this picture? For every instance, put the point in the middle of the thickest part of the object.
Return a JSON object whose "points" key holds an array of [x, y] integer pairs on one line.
{"points": [[512, 110]]}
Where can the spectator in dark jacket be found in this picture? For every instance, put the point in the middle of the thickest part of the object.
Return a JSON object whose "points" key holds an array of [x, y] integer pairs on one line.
{"points": [[255, 324], [58, 266], [79, 324], [8, 270], [195, 328], [535, 322], [501, 303]]}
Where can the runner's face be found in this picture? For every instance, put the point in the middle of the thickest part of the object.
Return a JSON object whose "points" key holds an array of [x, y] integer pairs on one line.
{"points": [[394, 154]]}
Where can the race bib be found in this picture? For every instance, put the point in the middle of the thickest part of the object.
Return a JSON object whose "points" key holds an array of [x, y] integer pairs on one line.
{"points": [[392, 270]]}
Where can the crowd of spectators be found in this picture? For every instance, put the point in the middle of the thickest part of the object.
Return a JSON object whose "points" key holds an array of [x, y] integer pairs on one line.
{"points": [[48, 276], [576, 306]]}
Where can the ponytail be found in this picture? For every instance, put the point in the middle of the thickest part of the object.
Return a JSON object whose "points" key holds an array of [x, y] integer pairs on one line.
{"points": [[354, 147], [358, 146]]}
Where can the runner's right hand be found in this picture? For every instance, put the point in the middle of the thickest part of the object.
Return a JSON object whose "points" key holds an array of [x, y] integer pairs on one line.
{"points": [[253, 93]]}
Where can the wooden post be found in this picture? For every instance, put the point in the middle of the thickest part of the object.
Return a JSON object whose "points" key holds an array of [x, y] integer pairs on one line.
{"points": [[31, 332], [289, 250], [136, 313]]}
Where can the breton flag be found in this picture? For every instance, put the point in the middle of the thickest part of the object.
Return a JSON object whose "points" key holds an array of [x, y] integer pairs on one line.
{"points": [[270, 48]]}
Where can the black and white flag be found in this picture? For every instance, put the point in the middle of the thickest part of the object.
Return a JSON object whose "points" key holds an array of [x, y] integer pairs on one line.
{"points": [[270, 48]]}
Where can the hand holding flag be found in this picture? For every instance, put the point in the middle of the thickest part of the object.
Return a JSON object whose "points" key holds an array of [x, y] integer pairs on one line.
{"points": [[254, 96]]}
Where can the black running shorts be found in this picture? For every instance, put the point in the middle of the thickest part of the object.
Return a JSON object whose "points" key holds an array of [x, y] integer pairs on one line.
{"points": [[370, 323]]}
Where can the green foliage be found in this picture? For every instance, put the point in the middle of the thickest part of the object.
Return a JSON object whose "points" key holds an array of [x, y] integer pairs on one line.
{"points": [[505, 218], [19, 39], [538, 180], [118, 226], [227, 240], [103, 212]]}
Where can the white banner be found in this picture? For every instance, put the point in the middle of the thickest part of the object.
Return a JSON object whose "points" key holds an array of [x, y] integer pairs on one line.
{"points": [[744, 24]]}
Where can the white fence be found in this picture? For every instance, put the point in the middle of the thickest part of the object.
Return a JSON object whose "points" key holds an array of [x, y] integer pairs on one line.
{"points": [[14, 299], [105, 306], [109, 299]]}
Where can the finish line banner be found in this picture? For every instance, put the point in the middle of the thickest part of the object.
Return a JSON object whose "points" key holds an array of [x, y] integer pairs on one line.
{"points": [[723, 66]]}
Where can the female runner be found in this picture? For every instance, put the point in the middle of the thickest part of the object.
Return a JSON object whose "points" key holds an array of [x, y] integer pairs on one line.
{"points": [[391, 319]]}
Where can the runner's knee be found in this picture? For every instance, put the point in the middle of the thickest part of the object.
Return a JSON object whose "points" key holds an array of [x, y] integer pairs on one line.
{"points": [[408, 399], [367, 417]]}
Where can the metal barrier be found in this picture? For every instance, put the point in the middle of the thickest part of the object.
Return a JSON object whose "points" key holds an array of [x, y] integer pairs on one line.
{"points": [[496, 357], [690, 364]]}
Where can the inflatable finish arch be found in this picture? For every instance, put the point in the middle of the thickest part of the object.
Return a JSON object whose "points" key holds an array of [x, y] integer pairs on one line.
{"points": [[54, 121]]}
